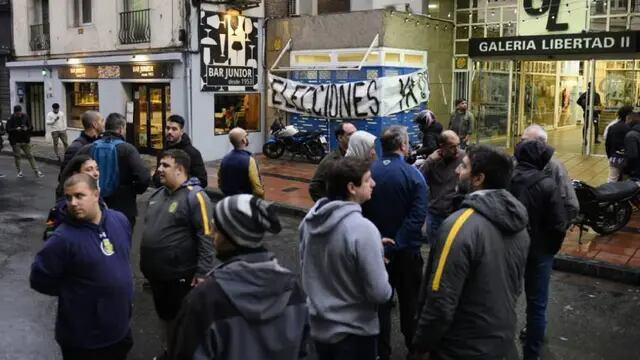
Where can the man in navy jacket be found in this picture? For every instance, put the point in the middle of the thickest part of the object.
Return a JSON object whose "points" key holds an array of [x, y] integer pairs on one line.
{"points": [[398, 208], [85, 263]]}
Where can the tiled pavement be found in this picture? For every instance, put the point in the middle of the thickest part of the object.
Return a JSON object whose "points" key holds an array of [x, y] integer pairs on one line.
{"points": [[286, 182]]}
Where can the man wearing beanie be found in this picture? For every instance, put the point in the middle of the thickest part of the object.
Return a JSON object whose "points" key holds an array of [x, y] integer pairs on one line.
{"points": [[343, 269], [176, 252], [250, 307]]}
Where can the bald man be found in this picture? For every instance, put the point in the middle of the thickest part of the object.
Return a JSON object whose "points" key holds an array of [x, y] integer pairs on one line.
{"points": [[238, 172], [440, 170]]}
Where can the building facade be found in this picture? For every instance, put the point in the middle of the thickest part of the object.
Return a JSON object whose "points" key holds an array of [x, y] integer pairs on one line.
{"points": [[5, 55], [142, 58]]}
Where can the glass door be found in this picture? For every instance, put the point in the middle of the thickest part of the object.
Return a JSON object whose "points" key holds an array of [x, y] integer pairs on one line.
{"points": [[491, 102], [151, 108]]}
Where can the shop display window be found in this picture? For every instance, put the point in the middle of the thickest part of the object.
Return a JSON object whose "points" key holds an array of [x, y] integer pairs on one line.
{"points": [[81, 97], [237, 110]]}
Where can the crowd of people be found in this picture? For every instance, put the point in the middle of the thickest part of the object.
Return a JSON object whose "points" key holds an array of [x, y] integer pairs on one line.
{"points": [[492, 223]]}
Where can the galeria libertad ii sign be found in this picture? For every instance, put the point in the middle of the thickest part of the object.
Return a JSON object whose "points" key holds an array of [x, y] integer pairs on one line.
{"points": [[361, 99], [553, 45]]}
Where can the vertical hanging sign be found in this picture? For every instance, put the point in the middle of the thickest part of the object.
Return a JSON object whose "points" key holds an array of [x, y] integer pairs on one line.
{"points": [[229, 51]]}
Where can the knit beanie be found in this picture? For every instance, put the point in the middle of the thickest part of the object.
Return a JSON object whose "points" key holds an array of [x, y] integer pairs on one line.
{"points": [[360, 145], [244, 219]]}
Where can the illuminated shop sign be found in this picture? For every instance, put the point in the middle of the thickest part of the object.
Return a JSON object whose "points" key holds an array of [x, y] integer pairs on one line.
{"points": [[137, 71], [553, 45]]}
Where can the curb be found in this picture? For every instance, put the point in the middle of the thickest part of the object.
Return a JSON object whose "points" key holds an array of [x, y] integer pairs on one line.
{"points": [[36, 157], [598, 269]]}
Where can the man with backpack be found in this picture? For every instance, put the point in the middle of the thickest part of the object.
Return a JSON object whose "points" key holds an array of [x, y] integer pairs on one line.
{"points": [[123, 174], [177, 249], [548, 223]]}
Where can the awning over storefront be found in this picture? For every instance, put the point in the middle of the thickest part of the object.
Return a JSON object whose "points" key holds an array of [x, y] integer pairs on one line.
{"points": [[584, 45]]}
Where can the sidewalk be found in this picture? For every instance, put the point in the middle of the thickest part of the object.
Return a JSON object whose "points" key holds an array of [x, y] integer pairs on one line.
{"points": [[286, 182]]}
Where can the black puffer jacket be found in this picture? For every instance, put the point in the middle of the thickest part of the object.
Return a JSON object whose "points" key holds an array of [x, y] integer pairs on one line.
{"points": [[429, 139], [197, 169], [134, 177], [468, 306], [632, 152], [541, 196], [73, 149]]}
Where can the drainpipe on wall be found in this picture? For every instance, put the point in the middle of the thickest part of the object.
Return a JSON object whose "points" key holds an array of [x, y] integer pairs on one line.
{"points": [[186, 53]]}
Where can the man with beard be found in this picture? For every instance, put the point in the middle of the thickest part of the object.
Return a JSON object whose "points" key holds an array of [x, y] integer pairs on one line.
{"points": [[440, 169], [547, 227], [238, 172], [177, 138], [469, 300]]}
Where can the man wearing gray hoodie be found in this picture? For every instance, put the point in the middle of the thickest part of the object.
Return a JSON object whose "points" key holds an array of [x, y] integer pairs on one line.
{"points": [[343, 269]]}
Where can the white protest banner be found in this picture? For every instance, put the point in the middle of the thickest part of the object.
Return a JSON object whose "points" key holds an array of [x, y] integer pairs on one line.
{"points": [[359, 99]]}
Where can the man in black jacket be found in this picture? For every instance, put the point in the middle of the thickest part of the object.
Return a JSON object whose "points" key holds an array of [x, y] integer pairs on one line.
{"points": [[469, 299], [19, 128], [614, 136], [93, 124], [133, 174], [632, 147], [547, 227], [318, 184], [178, 139]]}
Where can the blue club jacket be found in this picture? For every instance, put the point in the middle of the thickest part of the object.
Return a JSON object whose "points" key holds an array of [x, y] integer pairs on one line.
{"points": [[398, 205], [87, 267]]}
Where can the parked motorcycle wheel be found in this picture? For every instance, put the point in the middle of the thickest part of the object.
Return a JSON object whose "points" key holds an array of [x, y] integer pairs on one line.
{"points": [[617, 217], [315, 151], [273, 150]]}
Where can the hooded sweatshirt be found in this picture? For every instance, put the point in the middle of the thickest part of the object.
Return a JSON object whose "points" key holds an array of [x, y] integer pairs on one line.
{"points": [[87, 267], [468, 303], [541, 196], [250, 307], [343, 271], [360, 145]]}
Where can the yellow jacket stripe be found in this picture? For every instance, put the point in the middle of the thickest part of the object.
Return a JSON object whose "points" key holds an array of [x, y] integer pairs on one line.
{"points": [[447, 247], [204, 214]]}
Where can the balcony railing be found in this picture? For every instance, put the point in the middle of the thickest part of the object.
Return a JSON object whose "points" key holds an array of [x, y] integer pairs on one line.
{"points": [[39, 37], [134, 27]]}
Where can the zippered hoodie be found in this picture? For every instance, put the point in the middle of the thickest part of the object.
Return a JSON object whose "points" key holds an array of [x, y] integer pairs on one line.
{"points": [[343, 271], [92, 280], [468, 306], [250, 307]]}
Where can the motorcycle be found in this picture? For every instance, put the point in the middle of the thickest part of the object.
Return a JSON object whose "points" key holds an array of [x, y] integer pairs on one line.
{"points": [[288, 138], [606, 208]]}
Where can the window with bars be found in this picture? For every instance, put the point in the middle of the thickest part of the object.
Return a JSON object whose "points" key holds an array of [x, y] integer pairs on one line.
{"points": [[293, 7]]}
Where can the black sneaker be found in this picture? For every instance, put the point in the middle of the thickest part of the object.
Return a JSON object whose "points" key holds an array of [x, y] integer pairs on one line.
{"points": [[523, 334]]}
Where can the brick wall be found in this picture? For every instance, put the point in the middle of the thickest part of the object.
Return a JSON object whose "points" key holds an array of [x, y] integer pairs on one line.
{"points": [[276, 8], [333, 6]]}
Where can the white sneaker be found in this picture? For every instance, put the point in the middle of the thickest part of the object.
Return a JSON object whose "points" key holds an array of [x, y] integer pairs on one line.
{"points": [[39, 174], [20, 174]]}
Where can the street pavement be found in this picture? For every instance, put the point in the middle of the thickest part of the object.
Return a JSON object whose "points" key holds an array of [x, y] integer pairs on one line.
{"points": [[589, 318]]}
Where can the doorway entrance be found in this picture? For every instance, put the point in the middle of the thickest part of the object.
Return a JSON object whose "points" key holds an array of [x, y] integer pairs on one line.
{"points": [[507, 96], [151, 107], [34, 107]]}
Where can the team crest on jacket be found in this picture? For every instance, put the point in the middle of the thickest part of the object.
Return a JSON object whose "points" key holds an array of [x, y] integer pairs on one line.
{"points": [[173, 207], [107, 247]]}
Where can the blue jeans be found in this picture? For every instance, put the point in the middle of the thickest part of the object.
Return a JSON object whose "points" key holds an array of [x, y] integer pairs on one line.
{"points": [[351, 347], [536, 286]]}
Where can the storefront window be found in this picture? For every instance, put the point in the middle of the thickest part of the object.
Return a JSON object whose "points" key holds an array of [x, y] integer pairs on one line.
{"points": [[237, 110], [618, 6], [81, 97], [598, 24], [599, 7], [618, 23]]}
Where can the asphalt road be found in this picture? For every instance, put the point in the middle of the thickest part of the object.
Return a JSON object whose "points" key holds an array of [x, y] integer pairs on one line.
{"points": [[589, 318]]}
